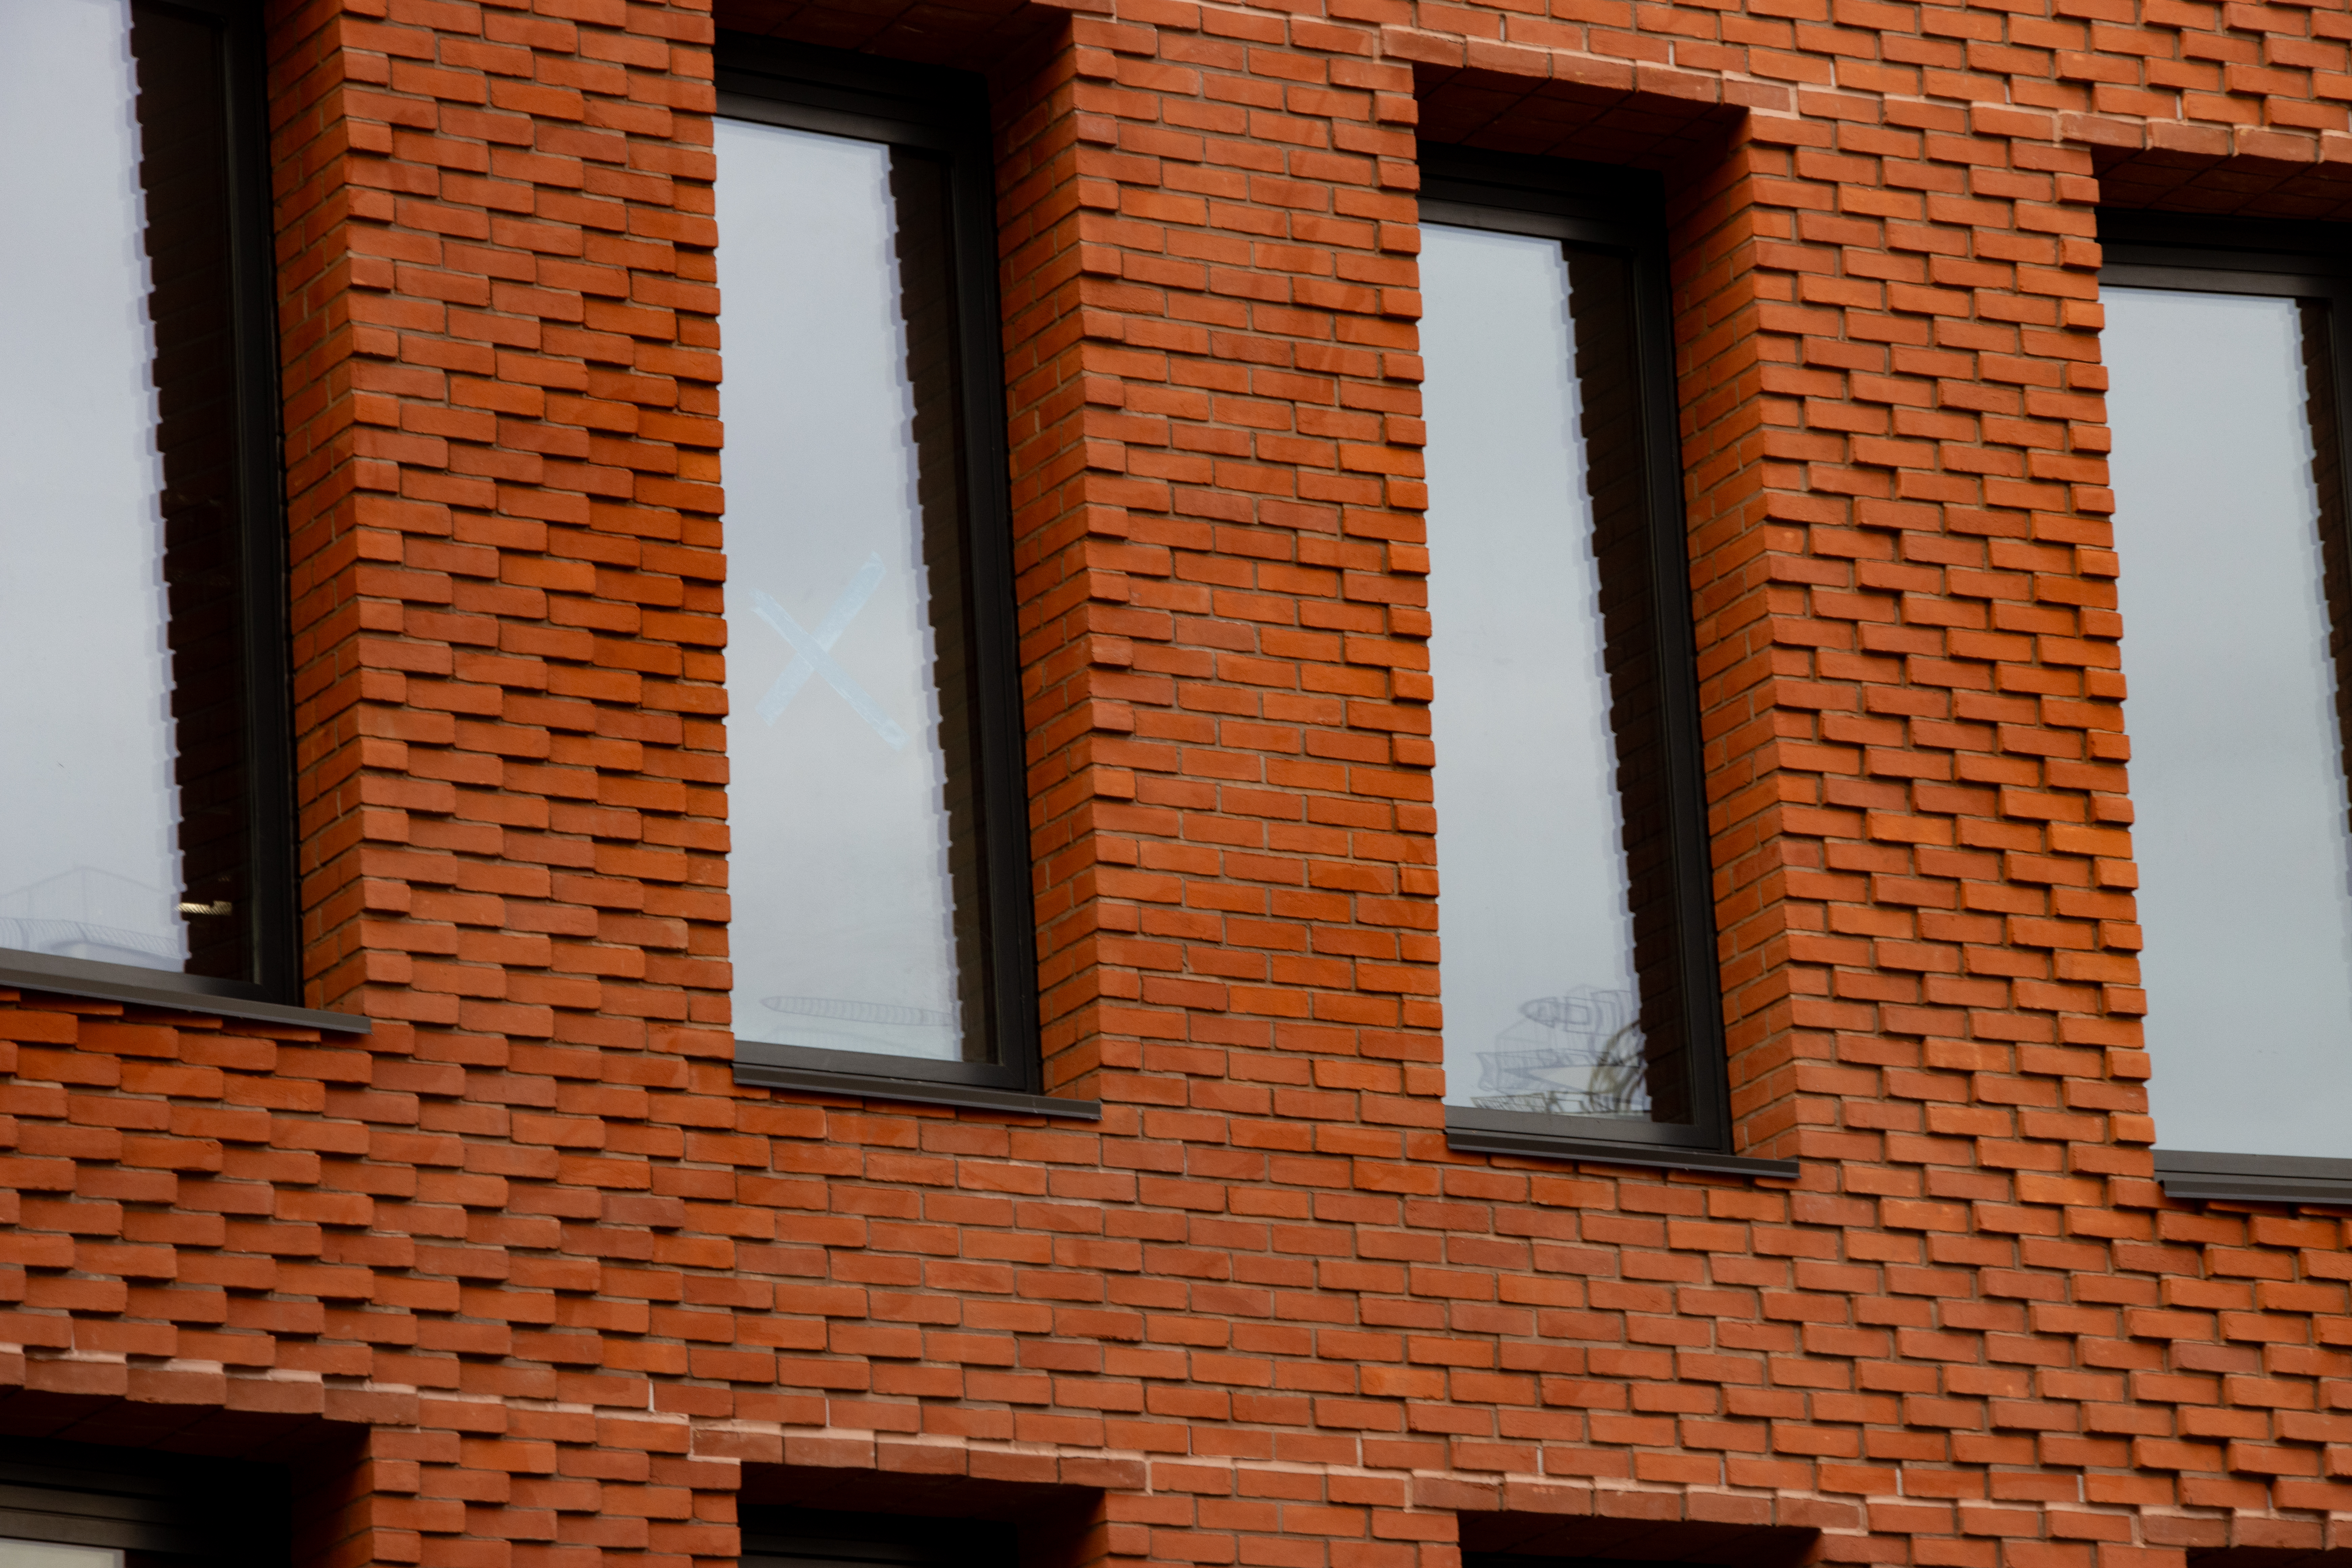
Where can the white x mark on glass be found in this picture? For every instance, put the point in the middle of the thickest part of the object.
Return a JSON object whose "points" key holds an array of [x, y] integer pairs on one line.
{"points": [[811, 654]]}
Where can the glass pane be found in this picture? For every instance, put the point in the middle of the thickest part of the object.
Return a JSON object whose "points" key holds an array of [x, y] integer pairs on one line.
{"points": [[121, 659], [854, 870], [2237, 772], [1557, 910], [50, 1555]]}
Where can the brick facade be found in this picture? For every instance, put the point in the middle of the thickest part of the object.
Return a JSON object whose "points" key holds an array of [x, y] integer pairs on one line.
{"points": [[524, 1278]]}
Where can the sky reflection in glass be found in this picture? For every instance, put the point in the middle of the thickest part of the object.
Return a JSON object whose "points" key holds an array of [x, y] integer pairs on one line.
{"points": [[843, 932], [2237, 776], [1541, 1002], [90, 866]]}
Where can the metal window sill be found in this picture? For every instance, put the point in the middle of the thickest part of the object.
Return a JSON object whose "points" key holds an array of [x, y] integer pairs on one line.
{"points": [[1461, 1135], [863, 1086], [170, 993], [2255, 1178]]}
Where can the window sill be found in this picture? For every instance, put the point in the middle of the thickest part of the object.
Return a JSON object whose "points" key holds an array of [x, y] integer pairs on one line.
{"points": [[1461, 1135], [170, 993], [861, 1086], [2255, 1178]]}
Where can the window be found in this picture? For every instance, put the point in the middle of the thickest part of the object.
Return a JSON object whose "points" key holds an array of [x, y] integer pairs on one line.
{"points": [[878, 871], [809, 1537], [2225, 360], [75, 1505], [1582, 1009], [141, 617]]}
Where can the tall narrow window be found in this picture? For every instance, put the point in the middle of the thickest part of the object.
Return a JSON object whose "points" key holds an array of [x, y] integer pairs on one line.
{"points": [[1582, 1008], [142, 672], [2224, 355], [878, 872]]}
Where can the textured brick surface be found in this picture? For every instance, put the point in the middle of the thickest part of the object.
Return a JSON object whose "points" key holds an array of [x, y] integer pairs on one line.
{"points": [[561, 1289]]}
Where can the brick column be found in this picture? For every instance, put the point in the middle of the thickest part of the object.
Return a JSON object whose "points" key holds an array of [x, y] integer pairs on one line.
{"points": [[499, 348], [1216, 482], [501, 462]]}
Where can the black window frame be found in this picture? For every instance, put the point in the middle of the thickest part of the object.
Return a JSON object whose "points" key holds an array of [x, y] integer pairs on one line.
{"points": [[943, 112], [1621, 211], [274, 927], [2277, 260]]}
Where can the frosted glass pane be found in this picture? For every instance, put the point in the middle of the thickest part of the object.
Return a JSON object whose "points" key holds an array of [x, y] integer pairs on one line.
{"points": [[1542, 1004], [2236, 775], [844, 872], [89, 868]]}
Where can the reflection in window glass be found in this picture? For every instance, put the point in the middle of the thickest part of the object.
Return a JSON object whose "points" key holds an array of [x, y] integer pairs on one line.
{"points": [[1555, 908], [2237, 773], [123, 668], [855, 870]]}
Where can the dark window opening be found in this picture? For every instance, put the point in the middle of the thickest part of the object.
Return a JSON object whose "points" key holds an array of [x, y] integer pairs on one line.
{"points": [[73, 1505], [811, 1538]]}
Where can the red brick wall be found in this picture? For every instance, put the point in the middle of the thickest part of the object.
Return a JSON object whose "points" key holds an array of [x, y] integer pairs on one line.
{"points": [[543, 1284]]}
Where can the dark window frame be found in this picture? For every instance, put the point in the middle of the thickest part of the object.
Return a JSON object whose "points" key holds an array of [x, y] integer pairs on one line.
{"points": [[2277, 260], [1622, 211], [273, 996], [943, 112]]}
